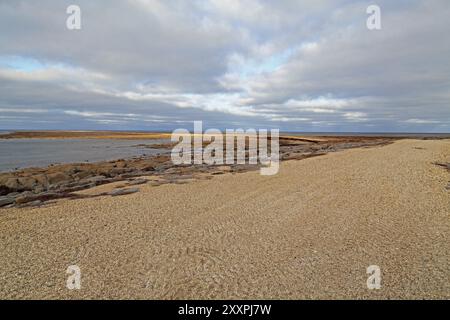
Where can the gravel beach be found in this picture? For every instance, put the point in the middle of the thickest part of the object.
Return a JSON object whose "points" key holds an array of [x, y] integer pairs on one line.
{"points": [[308, 232]]}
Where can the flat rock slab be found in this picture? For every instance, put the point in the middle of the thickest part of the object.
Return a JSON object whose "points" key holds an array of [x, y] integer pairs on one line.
{"points": [[121, 192], [6, 200], [137, 182]]}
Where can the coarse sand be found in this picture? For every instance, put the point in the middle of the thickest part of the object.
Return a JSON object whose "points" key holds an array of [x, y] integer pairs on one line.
{"points": [[310, 231]]}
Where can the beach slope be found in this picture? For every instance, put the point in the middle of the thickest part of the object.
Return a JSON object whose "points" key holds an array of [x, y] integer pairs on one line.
{"points": [[310, 231]]}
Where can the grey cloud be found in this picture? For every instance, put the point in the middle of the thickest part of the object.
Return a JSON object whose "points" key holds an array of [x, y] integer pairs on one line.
{"points": [[148, 64]]}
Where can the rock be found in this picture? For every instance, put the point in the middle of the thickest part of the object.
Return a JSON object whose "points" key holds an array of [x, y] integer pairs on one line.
{"points": [[34, 203], [81, 175], [26, 198], [131, 175], [27, 183], [121, 192], [41, 179], [224, 168], [79, 187], [13, 194], [54, 187], [103, 171], [96, 179], [4, 190], [117, 171], [30, 204], [184, 181], [185, 177], [48, 195], [443, 165], [58, 177], [72, 171], [39, 189], [148, 168], [157, 183], [12, 184], [6, 200], [137, 182], [120, 164]]}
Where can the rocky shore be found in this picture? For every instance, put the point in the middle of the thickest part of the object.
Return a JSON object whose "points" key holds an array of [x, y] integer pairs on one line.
{"points": [[39, 186]]}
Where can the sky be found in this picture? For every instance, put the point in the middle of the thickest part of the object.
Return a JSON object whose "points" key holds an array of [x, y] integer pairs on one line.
{"points": [[310, 66]]}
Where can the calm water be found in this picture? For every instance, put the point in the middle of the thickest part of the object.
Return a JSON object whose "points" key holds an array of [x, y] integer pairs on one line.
{"points": [[23, 153]]}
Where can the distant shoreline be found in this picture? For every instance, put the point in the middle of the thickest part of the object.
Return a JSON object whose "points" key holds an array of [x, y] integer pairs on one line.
{"points": [[137, 135], [84, 135]]}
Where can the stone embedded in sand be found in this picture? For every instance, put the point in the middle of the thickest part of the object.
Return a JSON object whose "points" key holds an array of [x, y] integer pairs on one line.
{"points": [[121, 192], [443, 165]]}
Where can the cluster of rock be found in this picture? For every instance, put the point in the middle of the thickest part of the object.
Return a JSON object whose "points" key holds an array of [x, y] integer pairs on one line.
{"points": [[36, 186]]}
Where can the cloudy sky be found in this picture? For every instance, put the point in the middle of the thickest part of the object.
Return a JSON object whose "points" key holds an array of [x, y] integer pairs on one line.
{"points": [[301, 65]]}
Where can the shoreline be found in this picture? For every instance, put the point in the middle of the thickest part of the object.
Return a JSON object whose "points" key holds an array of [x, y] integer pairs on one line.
{"points": [[38, 186]]}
